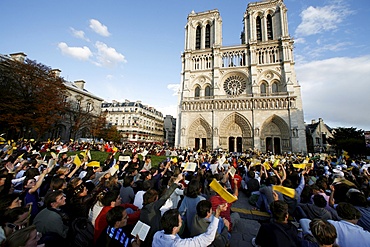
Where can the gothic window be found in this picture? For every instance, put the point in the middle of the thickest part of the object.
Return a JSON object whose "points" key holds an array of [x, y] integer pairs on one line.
{"points": [[274, 88], [235, 85], [263, 88], [208, 36], [207, 91], [269, 27], [197, 38], [197, 92], [258, 28]]}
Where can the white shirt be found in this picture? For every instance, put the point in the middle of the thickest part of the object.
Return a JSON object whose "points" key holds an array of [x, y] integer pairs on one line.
{"points": [[350, 234], [169, 240], [138, 200]]}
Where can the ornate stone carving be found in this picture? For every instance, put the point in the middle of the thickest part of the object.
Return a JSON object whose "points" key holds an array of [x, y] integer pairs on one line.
{"points": [[235, 85]]}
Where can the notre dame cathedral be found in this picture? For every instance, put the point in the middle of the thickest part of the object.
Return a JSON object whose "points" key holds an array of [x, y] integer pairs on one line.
{"points": [[243, 96]]}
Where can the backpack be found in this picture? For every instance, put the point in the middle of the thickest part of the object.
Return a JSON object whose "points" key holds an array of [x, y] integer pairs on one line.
{"points": [[82, 232]]}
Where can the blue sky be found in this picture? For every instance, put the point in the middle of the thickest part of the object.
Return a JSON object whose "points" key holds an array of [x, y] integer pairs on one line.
{"points": [[131, 49]]}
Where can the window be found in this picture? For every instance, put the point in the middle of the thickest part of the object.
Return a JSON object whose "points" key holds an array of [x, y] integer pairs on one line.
{"points": [[317, 140], [197, 38], [88, 107], [269, 27], [207, 91], [197, 92], [274, 88], [258, 28], [78, 104], [263, 88], [208, 36]]}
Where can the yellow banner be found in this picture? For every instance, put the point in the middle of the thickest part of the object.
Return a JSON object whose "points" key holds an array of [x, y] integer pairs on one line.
{"points": [[284, 190], [77, 161], [93, 164], [300, 166], [216, 186]]}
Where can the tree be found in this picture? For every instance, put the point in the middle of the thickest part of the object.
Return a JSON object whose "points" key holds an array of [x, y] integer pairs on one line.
{"points": [[32, 98], [98, 125], [350, 140]]}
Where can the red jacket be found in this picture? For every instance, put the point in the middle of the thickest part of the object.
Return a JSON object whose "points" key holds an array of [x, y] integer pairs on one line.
{"points": [[101, 221]]}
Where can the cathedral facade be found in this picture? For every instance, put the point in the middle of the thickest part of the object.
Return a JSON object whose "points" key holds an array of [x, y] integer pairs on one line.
{"points": [[243, 96]]}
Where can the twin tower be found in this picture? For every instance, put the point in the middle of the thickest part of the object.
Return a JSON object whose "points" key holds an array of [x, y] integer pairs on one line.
{"points": [[245, 96]]}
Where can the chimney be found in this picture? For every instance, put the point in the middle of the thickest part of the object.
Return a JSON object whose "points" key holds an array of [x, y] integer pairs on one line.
{"points": [[55, 72], [19, 56], [80, 84], [313, 121]]}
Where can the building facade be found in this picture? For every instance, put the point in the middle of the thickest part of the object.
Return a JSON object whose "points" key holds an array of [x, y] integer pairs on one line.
{"points": [[317, 135], [169, 130], [243, 96], [136, 122], [83, 107]]}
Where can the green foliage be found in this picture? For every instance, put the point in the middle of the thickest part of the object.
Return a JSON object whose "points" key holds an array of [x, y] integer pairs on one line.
{"points": [[350, 140]]}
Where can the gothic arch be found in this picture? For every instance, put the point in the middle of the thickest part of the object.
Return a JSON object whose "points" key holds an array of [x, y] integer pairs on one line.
{"points": [[276, 127], [269, 75], [238, 126], [200, 128], [201, 81]]}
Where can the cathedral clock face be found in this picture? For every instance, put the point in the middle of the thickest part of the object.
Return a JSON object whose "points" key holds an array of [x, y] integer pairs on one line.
{"points": [[234, 85]]}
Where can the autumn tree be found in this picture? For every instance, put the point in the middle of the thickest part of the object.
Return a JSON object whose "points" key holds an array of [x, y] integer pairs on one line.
{"points": [[97, 126], [350, 140], [32, 98]]}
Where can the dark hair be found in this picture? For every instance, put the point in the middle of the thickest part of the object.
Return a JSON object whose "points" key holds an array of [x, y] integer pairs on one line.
{"points": [[114, 215], [358, 199], [146, 185], [109, 197], [20, 237], [323, 231], [347, 211], [192, 190], [251, 174], [288, 183], [52, 197], [319, 201], [150, 196], [127, 181], [57, 183], [169, 220], [7, 200], [203, 207], [13, 214], [279, 210]]}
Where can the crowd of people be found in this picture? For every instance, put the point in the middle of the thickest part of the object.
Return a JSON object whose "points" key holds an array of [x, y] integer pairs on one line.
{"points": [[53, 200]]}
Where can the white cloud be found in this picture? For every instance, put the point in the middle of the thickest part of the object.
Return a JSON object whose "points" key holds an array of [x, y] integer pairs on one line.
{"points": [[109, 77], [168, 110], [79, 34], [320, 19], [81, 53], [99, 28], [108, 56], [336, 90], [318, 51], [175, 88], [299, 41]]}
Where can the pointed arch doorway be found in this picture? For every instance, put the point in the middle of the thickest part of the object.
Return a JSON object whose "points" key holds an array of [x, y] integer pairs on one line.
{"points": [[235, 133]]}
